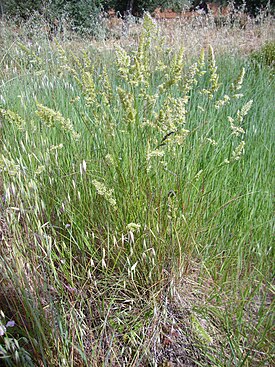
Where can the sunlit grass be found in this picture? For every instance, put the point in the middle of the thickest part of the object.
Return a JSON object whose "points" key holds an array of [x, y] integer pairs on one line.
{"points": [[137, 201]]}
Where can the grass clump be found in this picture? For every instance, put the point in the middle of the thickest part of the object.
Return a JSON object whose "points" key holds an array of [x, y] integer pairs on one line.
{"points": [[265, 56], [137, 210]]}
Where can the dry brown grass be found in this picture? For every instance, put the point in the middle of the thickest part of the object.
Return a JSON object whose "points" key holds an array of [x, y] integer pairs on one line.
{"points": [[226, 39], [243, 37]]}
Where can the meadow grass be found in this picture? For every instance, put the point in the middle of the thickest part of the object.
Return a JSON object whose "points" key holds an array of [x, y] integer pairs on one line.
{"points": [[136, 206]]}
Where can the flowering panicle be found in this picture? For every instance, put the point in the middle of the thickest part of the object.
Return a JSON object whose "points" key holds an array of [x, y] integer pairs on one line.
{"points": [[237, 85], [172, 116], [136, 69], [180, 136], [164, 119], [127, 101], [102, 190], [88, 87], [222, 102], [74, 74], [239, 151], [149, 32], [133, 227], [149, 101], [110, 160], [51, 118], [87, 62], [214, 77], [170, 122], [84, 77], [237, 95], [175, 73], [236, 130], [33, 58], [9, 166], [107, 94], [138, 72], [160, 54], [156, 154], [61, 53], [123, 62], [141, 66], [190, 80], [179, 110], [212, 141], [13, 118], [55, 147], [201, 63], [244, 111], [161, 66]]}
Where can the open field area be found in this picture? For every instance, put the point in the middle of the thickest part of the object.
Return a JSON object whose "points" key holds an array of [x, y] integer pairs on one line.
{"points": [[136, 195]]}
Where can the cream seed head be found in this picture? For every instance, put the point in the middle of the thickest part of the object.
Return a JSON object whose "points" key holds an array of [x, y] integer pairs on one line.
{"points": [[133, 227], [239, 151], [103, 191]]}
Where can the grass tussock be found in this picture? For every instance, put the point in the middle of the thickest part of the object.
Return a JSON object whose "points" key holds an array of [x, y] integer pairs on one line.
{"points": [[136, 206]]}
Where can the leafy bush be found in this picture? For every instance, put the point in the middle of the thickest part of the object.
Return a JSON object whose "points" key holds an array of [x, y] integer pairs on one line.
{"points": [[20, 7], [84, 14]]}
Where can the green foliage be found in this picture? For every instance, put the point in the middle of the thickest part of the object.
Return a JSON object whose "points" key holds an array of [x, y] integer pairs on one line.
{"points": [[83, 15], [140, 6], [21, 8], [253, 7]]}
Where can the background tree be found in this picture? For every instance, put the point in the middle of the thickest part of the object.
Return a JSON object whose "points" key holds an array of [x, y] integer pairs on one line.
{"points": [[83, 15], [22, 8], [137, 7], [253, 7]]}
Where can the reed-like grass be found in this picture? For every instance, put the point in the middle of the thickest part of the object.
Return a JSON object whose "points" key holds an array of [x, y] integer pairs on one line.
{"points": [[136, 207]]}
